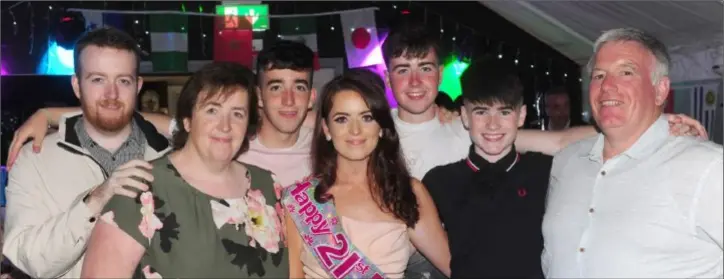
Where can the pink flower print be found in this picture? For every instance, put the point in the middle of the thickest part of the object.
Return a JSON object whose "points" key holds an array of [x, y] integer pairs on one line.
{"points": [[234, 213], [149, 221], [278, 188], [280, 221], [109, 217], [334, 220], [262, 223], [147, 273], [308, 239], [290, 208]]}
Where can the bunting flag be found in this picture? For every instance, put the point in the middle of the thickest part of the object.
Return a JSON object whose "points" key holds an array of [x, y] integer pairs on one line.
{"points": [[301, 29], [257, 43], [361, 41], [704, 101], [234, 45], [169, 43], [95, 20]]}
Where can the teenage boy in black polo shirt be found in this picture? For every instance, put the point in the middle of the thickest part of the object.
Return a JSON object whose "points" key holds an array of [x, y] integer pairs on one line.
{"points": [[492, 202]]}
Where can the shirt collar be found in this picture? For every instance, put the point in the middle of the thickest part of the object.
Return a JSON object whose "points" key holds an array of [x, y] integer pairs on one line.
{"points": [[136, 137], [477, 163], [649, 141]]}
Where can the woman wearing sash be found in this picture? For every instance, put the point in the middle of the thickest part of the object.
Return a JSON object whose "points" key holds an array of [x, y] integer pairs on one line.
{"points": [[361, 215], [205, 215]]}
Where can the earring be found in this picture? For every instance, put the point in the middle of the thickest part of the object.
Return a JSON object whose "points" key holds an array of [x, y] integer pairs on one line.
{"points": [[328, 137], [380, 133]]}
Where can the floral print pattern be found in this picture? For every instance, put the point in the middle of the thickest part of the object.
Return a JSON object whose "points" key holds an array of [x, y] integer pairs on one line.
{"points": [[109, 217], [149, 274], [262, 223], [150, 223], [278, 189], [234, 214], [173, 223]]}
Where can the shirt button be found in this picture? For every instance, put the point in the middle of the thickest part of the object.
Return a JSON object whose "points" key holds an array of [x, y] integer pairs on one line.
{"points": [[92, 219], [113, 158], [581, 249], [603, 172], [590, 210]]}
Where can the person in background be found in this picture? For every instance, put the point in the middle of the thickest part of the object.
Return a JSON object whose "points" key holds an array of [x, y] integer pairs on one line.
{"points": [[558, 110], [633, 201], [207, 216], [54, 197], [362, 189], [493, 211]]}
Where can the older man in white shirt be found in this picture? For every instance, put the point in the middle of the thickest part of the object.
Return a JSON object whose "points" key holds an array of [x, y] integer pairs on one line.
{"points": [[634, 201]]}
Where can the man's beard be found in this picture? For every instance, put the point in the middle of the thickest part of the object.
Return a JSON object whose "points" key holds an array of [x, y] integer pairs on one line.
{"points": [[107, 123]]}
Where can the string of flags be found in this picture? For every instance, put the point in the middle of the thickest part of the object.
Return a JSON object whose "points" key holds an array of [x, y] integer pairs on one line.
{"points": [[167, 32]]}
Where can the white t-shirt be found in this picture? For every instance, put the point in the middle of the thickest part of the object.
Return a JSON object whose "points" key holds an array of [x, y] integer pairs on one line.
{"points": [[430, 144]]}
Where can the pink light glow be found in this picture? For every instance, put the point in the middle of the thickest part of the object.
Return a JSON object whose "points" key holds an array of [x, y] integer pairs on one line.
{"points": [[377, 64], [375, 56], [380, 69], [3, 71]]}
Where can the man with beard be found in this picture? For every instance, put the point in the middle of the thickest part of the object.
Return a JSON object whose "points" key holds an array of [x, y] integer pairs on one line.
{"points": [[54, 197]]}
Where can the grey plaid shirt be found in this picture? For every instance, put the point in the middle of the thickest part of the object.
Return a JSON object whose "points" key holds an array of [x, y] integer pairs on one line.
{"points": [[132, 148]]}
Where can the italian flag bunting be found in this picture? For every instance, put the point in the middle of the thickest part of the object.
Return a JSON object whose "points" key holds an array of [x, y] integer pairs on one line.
{"points": [[169, 43], [302, 29]]}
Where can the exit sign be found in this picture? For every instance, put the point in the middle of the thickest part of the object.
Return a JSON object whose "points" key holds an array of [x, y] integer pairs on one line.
{"points": [[243, 16]]}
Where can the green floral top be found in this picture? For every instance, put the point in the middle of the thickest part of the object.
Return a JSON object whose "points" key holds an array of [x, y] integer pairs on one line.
{"points": [[188, 234]]}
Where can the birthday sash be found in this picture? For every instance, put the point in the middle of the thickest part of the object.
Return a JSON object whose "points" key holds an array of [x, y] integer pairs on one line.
{"points": [[322, 232]]}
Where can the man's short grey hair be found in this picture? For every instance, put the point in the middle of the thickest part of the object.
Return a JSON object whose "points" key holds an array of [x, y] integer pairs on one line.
{"points": [[648, 41]]}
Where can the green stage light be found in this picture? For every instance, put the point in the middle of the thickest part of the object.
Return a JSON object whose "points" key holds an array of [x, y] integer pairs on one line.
{"points": [[451, 73]]}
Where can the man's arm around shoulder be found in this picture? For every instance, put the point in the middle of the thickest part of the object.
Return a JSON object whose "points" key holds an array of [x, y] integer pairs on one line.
{"points": [[42, 242]]}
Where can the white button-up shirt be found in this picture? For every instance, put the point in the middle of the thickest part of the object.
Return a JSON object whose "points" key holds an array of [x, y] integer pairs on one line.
{"points": [[653, 211]]}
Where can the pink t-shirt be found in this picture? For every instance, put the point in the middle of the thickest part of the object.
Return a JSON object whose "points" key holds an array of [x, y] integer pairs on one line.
{"points": [[289, 165]]}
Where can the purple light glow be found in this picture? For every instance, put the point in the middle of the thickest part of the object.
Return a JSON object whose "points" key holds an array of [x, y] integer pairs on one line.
{"points": [[376, 64], [380, 69]]}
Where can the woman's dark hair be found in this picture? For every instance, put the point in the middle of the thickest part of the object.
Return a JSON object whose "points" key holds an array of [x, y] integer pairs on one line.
{"points": [[216, 79], [391, 184]]}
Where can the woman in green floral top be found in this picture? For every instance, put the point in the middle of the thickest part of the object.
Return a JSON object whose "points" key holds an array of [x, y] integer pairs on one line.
{"points": [[206, 215]]}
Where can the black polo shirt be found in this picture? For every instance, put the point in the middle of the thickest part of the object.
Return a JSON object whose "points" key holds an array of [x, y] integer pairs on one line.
{"points": [[493, 213]]}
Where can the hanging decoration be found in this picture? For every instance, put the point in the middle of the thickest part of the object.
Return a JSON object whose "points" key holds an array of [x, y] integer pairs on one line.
{"points": [[361, 38], [302, 30], [359, 32], [169, 43], [361, 41]]}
